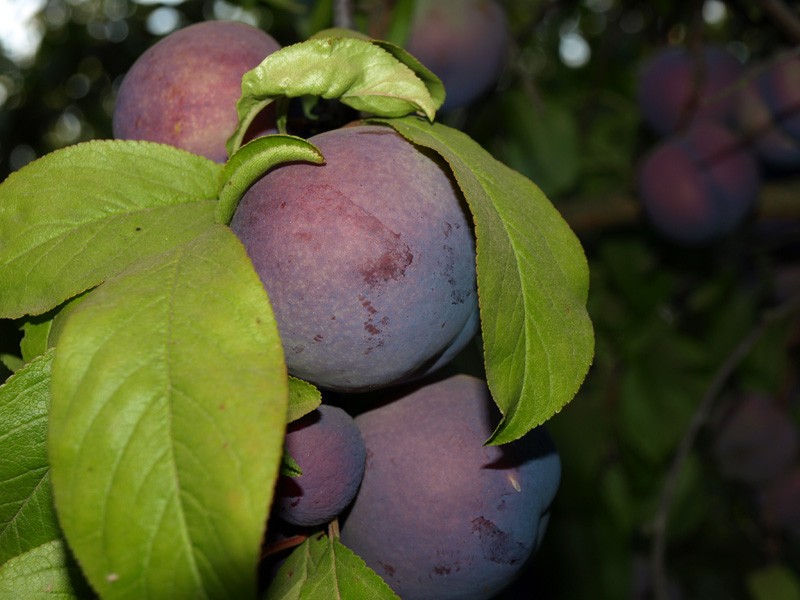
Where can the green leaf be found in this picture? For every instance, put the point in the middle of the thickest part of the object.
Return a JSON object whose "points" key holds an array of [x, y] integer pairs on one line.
{"points": [[303, 398], [167, 421], [46, 572], [254, 159], [27, 516], [321, 567], [289, 467], [543, 142], [36, 332], [82, 213], [361, 74], [774, 582], [11, 362], [533, 282], [401, 21]]}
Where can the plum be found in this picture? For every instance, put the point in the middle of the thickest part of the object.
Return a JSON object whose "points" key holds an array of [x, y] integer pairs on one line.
{"points": [[779, 503], [328, 447], [768, 113], [699, 185], [463, 42], [756, 441], [675, 87], [368, 260], [440, 515], [183, 90]]}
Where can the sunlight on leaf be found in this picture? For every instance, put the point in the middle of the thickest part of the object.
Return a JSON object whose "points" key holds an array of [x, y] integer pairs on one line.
{"points": [[533, 282], [167, 422]]}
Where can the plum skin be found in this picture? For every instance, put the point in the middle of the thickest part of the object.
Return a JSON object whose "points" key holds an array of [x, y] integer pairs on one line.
{"points": [[463, 42], [328, 447], [768, 113], [182, 91], [757, 441], [439, 515], [667, 86], [699, 185], [368, 260]]}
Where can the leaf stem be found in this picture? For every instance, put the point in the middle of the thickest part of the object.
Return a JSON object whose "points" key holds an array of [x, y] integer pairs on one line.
{"points": [[699, 418], [276, 547]]}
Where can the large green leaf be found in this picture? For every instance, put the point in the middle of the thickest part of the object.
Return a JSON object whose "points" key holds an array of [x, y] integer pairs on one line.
{"points": [[27, 516], [82, 213], [533, 282], [374, 77], [321, 567], [46, 572], [167, 422]]}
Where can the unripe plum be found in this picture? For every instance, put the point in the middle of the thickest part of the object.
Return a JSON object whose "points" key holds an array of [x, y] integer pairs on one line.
{"points": [[700, 184], [440, 515], [369, 260], [328, 447], [757, 441], [463, 42], [677, 87], [183, 90], [768, 113]]}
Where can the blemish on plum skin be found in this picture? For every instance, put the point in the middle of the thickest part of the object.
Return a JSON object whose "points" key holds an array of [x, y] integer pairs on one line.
{"points": [[319, 337], [388, 569], [497, 545]]}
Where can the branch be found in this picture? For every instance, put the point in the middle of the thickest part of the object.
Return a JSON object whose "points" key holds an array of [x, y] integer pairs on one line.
{"points": [[343, 14], [783, 17], [699, 418], [777, 200]]}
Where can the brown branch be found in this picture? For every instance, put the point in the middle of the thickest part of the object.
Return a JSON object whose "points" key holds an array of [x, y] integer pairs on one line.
{"points": [[699, 418], [783, 17], [777, 200]]}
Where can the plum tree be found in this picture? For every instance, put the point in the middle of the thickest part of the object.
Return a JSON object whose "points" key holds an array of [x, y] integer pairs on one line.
{"points": [[463, 42], [700, 184], [768, 112], [183, 90], [329, 449], [439, 514], [369, 260], [677, 86], [756, 441]]}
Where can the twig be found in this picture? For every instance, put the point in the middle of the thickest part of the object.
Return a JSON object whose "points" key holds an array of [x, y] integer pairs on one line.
{"points": [[783, 17], [699, 418], [343, 14], [281, 545]]}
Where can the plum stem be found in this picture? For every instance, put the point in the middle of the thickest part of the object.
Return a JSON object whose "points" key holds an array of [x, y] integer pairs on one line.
{"points": [[333, 529], [276, 547], [699, 418]]}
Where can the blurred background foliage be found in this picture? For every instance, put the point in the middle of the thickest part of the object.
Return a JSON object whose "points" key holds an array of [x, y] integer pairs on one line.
{"points": [[646, 509]]}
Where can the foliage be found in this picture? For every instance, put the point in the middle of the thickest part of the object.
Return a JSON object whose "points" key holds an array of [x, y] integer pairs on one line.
{"points": [[667, 318]]}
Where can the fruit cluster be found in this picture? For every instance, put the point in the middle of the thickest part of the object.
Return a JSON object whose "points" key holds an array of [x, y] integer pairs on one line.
{"points": [[722, 126], [756, 443], [369, 262]]}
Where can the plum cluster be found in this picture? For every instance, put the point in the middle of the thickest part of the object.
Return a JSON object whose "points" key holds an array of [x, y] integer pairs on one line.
{"points": [[721, 127], [369, 263], [756, 444]]}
